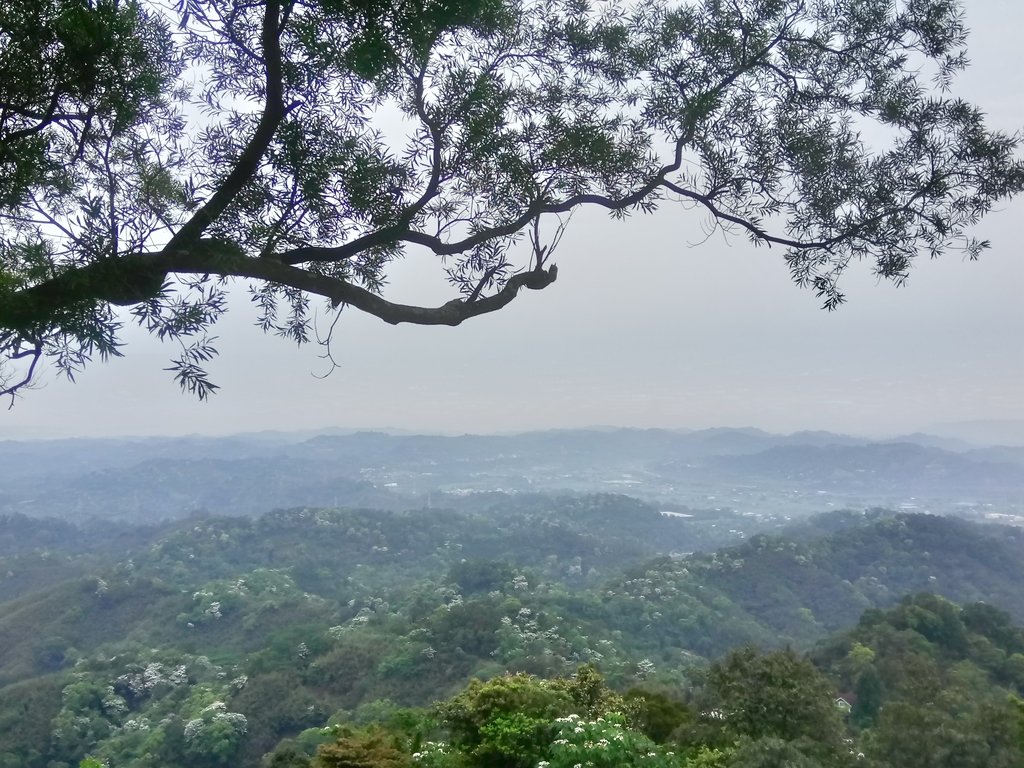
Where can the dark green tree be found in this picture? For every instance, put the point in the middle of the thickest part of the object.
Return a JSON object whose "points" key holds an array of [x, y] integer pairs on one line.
{"points": [[870, 693], [372, 749], [770, 752], [50, 654], [474, 576], [776, 696], [151, 154], [286, 755], [507, 722], [932, 734], [590, 695], [656, 714]]}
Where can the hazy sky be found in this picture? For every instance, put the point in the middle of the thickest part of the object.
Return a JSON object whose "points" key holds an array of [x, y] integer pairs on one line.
{"points": [[648, 325]]}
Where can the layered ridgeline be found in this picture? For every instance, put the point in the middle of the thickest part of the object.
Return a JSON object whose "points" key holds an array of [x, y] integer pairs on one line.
{"points": [[209, 641], [145, 480]]}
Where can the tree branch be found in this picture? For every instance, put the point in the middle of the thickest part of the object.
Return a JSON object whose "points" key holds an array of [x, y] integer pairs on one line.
{"points": [[137, 277], [400, 231], [308, 254], [248, 161], [343, 292], [35, 354]]}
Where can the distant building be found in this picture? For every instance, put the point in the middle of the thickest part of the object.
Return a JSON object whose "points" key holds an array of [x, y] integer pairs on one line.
{"points": [[845, 702]]}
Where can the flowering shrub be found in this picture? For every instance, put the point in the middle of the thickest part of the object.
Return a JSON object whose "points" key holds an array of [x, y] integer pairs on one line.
{"points": [[215, 735], [433, 754], [604, 742]]}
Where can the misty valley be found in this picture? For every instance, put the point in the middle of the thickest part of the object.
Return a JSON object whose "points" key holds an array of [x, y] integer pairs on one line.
{"points": [[608, 597]]}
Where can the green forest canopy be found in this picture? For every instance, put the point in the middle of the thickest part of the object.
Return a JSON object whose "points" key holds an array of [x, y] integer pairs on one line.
{"points": [[150, 155], [290, 640]]}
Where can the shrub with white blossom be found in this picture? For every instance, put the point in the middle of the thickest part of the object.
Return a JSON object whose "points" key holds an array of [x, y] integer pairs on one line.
{"points": [[604, 742], [433, 754], [216, 734]]}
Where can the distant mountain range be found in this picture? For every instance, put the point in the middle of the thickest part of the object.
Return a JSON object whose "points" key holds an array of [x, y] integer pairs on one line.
{"points": [[983, 432], [744, 469]]}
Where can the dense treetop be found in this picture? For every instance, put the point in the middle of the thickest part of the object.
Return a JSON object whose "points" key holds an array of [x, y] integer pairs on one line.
{"points": [[152, 154]]}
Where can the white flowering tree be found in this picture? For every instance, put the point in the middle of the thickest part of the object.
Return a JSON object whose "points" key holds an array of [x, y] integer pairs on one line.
{"points": [[213, 738], [604, 742]]}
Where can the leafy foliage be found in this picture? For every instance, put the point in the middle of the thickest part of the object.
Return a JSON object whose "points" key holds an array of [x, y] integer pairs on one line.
{"points": [[774, 698], [221, 641], [258, 143]]}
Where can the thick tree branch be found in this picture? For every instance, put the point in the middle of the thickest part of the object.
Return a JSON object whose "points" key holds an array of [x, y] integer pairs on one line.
{"points": [[342, 292], [436, 139], [120, 280], [137, 277], [248, 161]]}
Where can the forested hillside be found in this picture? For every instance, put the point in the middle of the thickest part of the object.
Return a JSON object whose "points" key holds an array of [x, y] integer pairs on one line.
{"points": [[208, 641]]}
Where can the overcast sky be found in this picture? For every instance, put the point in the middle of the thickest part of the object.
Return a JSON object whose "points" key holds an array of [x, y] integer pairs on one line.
{"points": [[648, 325]]}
